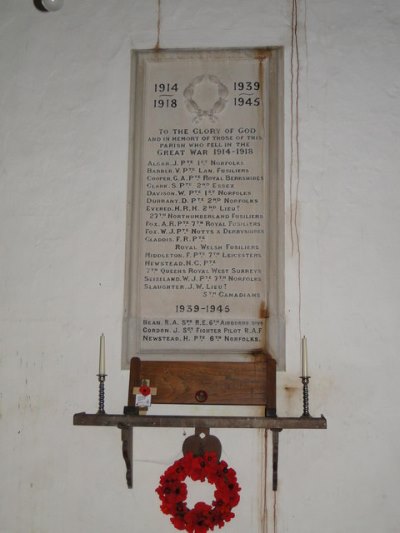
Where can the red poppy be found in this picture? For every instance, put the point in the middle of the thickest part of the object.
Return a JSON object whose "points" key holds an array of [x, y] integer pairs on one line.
{"points": [[172, 491], [144, 390]]}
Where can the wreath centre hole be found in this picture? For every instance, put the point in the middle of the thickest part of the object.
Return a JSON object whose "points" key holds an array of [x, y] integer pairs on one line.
{"points": [[205, 92], [199, 492]]}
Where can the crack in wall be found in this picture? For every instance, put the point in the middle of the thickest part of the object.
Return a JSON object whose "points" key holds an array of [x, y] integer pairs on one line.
{"points": [[157, 45], [294, 150]]}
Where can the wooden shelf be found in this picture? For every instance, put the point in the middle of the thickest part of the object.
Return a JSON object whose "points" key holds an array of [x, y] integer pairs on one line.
{"points": [[128, 421]]}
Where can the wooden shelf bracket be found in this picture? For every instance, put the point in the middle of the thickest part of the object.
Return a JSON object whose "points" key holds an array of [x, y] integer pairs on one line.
{"points": [[126, 423]]}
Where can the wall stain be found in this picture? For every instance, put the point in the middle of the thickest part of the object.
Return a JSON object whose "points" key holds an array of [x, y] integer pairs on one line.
{"points": [[157, 45]]}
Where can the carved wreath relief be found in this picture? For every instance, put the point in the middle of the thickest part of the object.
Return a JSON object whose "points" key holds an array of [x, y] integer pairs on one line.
{"points": [[193, 95]]}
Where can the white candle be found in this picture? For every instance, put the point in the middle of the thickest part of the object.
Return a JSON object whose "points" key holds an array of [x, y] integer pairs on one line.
{"points": [[102, 357], [304, 357]]}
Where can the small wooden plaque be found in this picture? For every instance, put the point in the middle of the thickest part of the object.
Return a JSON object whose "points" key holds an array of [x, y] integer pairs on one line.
{"points": [[208, 383]]}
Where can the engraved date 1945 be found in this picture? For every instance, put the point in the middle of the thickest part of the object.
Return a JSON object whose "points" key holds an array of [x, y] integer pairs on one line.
{"points": [[188, 308]]}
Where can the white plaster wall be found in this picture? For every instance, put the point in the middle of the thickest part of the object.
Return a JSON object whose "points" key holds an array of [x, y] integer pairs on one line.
{"points": [[64, 107]]}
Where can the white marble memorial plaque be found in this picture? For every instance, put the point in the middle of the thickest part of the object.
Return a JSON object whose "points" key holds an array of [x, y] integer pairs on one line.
{"points": [[197, 269]]}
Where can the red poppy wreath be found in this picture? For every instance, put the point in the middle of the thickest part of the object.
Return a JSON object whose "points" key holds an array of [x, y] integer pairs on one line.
{"points": [[172, 491]]}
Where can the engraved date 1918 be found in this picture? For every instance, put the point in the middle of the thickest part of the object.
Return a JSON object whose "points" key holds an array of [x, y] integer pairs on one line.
{"points": [[165, 92]]}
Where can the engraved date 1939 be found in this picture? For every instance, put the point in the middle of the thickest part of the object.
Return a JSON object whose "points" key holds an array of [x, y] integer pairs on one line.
{"points": [[188, 308]]}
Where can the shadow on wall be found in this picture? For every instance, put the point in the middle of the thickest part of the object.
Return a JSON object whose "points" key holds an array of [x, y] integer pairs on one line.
{"points": [[39, 6]]}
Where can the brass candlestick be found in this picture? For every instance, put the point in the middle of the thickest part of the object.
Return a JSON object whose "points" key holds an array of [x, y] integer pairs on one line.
{"points": [[102, 378], [305, 380]]}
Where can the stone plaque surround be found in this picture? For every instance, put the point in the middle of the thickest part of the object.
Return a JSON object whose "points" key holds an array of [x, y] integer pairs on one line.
{"points": [[204, 203]]}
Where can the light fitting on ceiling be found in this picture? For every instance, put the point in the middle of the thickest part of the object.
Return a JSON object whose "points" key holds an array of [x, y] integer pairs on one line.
{"points": [[48, 5]]}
